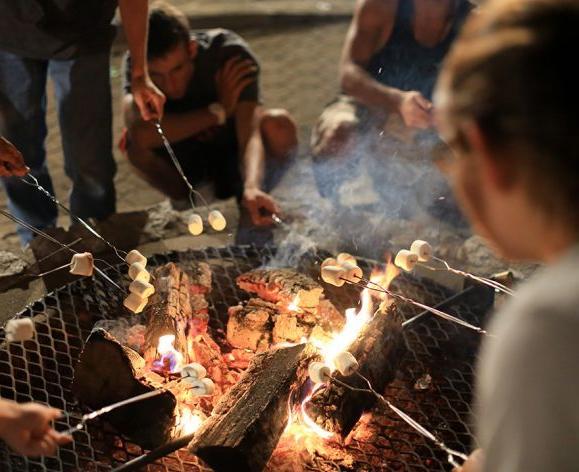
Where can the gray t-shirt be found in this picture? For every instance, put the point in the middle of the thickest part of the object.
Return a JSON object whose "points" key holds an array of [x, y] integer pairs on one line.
{"points": [[56, 29], [528, 381]]}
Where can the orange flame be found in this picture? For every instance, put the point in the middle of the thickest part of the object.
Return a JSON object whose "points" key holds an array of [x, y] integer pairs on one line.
{"points": [[384, 277], [171, 360], [189, 421]]}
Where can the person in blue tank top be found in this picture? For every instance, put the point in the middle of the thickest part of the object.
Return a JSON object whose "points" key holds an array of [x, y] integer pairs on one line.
{"points": [[390, 61]]}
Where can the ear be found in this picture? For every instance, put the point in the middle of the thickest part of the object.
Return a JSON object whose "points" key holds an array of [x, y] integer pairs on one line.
{"points": [[193, 48], [491, 163]]}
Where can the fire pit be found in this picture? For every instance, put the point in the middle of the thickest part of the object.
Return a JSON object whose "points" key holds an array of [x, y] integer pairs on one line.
{"points": [[433, 383]]}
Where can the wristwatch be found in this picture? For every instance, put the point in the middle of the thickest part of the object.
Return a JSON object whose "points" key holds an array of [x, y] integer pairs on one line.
{"points": [[218, 110]]}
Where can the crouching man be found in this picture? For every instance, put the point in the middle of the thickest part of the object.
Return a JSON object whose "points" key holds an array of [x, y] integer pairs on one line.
{"points": [[213, 117], [513, 124]]}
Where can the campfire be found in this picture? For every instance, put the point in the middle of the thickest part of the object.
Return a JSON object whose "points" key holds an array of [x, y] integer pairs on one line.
{"points": [[233, 361]]}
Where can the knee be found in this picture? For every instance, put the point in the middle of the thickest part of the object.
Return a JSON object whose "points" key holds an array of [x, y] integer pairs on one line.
{"points": [[280, 133], [334, 139]]}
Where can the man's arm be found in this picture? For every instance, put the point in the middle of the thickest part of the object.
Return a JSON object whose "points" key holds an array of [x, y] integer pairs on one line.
{"points": [[176, 126], [252, 156], [370, 29], [148, 98]]}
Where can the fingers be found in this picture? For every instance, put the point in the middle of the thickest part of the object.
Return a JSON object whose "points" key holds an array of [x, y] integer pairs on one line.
{"points": [[423, 102]]}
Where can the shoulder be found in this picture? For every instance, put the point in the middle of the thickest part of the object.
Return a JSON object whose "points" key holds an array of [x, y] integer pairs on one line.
{"points": [[375, 12], [222, 44]]}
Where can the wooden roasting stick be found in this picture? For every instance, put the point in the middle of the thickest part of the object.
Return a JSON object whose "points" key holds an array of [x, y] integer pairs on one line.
{"points": [[246, 425], [379, 351]]}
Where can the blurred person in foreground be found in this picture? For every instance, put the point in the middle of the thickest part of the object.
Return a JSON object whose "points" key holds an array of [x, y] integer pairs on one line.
{"points": [[70, 42], [214, 119], [26, 428], [507, 105]]}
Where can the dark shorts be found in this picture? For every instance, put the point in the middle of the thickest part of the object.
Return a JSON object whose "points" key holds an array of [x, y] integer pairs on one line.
{"points": [[211, 158]]}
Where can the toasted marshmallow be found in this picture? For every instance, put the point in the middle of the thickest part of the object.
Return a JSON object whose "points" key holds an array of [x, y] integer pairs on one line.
{"points": [[136, 256], [344, 257], [334, 275], [353, 272], [142, 289], [135, 303], [195, 224], [319, 373], [216, 220], [194, 370], [18, 330], [346, 363], [82, 264], [406, 260], [422, 249], [137, 271]]}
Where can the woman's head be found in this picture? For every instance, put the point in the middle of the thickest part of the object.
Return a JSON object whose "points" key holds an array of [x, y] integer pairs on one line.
{"points": [[508, 103]]}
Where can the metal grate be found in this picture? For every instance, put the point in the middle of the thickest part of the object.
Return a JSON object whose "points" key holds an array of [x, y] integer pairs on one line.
{"points": [[42, 369]]}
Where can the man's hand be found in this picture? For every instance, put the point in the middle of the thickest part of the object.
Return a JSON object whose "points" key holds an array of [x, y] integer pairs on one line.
{"points": [[231, 80], [260, 206], [416, 111], [26, 428], [11, 160], [148, 98], [474, 463]]}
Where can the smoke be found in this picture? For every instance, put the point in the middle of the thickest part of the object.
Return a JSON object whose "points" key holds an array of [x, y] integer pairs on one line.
{"points": [[362, 202]]}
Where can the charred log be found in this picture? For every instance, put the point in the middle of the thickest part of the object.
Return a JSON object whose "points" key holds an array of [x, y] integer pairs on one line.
{"points": [[379, 352], [246, 425], [108, 372], [284, 286]]}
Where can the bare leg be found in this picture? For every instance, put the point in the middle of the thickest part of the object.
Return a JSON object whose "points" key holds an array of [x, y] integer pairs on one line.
{"points": [[279, 134]]}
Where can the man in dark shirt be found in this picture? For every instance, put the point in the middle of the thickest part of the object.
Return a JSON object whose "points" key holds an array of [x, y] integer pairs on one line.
{"points": [[70, 41], [213, 117], [390, 62]]}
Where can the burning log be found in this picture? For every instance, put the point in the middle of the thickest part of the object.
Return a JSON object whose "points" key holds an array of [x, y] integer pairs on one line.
{"points": [[246, 425], [108, 372], [284, 286], [378, 350], [177, 307]]}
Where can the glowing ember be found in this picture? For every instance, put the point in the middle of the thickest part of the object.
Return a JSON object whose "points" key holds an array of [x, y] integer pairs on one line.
{"points": [[171, 360], [311, 424], [189, 421]]}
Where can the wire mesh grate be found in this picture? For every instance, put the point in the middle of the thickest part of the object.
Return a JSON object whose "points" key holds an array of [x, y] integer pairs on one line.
{"points": [[42, 369]]}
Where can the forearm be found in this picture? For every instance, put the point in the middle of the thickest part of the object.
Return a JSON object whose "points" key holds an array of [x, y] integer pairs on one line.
{"points": [[176, 126], [253, 161], [134, 15], [357, 83]]}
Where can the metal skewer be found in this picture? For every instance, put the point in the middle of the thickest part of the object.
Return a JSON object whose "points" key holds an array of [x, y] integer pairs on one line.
{"points": [[120, 254], [109, 408], [179, 168]]}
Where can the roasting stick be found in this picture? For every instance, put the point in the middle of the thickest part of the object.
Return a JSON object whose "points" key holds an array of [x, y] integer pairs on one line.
{"points": [[179, 168], [364, 283], [58, 243], [483, 280], [452, 454], [109, 408], [120, 254]]}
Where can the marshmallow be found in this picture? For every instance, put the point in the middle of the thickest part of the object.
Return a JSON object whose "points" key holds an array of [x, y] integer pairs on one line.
{"points": [[142, 289], [136, 256], [209, 386], [135, 303], [216, 220], [82, 264], [330, 261], [195, 224], [19, 330], [137, 271], [334, 275], [406, 260], [344, 257], [194, 370], [319, 373], [353, 272], [346, 363], [422, 249]]}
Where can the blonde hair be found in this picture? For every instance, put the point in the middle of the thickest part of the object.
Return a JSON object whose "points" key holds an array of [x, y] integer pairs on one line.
{"points": [[509, 72]]}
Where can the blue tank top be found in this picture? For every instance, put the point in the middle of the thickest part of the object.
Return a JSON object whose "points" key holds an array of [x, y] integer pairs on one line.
{"points": [[405, 64]]}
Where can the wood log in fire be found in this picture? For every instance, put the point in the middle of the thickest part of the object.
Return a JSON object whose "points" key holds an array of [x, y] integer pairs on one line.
{"points": [[246, 425], [379, 351], [108, 372]]}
